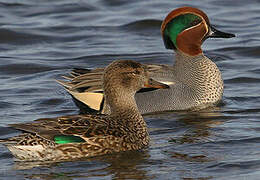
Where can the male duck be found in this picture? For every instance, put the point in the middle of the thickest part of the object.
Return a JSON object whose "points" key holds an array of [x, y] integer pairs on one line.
{"points": [[69, 137], [195, 81]]}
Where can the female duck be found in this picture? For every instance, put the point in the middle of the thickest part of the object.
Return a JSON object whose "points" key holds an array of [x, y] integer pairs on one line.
{"points": [[78, 136]]}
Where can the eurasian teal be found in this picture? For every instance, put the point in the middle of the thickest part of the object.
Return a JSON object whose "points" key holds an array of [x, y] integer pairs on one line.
{"points": [[78, 136], [195, 81]]}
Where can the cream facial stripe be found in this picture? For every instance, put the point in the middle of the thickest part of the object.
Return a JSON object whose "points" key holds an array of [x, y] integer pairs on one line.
{"points": [[203, 21]]}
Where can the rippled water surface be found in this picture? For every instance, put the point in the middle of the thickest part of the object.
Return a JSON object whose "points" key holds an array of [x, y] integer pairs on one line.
{"points": [[42, 40]]}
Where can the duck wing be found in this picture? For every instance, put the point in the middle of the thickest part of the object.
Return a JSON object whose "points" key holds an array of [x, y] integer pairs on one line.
{"points": [[68, 128], [162, 73], [85, 80]]}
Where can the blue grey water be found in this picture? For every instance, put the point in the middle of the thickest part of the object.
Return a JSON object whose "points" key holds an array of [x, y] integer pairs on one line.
{"points": [[42, 40]]}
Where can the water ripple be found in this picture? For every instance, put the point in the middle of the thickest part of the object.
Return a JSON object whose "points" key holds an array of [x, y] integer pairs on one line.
{"points": [[42, 40]]}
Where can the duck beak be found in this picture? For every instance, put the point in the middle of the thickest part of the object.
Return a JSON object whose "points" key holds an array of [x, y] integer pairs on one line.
{"points": [[155, 84], [214, 33]]}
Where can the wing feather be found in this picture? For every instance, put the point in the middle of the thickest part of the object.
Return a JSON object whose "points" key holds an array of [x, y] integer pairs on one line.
{"points": [[78, 125]]}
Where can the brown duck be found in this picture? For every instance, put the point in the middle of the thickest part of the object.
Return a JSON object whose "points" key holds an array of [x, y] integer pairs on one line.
{"points": [[78, 136]]}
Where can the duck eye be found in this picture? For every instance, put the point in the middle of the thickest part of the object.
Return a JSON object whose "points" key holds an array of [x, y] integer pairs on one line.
{"points": [[137, 72], [195, 22], [133, 73], [129, 73]]}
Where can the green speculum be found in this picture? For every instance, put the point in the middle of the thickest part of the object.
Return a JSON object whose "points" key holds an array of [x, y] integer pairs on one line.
{"points": [[176, 26], [64, 139]]}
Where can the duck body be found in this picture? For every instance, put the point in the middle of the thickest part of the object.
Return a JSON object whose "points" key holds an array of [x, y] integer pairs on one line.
{"points": [[74, 137], [194, 84], [195, 81], [80, 136]]}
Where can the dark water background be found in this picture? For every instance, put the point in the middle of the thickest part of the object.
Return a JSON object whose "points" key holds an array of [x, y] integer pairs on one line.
{"points": [[40, 40]]}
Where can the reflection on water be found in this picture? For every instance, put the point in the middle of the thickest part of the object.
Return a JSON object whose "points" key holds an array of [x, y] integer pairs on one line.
{"points": [[126, 165], [116, 166], [197, 124], [190, 158]]}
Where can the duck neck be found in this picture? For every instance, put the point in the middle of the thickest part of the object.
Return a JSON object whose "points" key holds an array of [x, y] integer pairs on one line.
{"points": [[188, 67], [182, 58], [189, 47], [200, 73], [122, 103], [123, 107]]}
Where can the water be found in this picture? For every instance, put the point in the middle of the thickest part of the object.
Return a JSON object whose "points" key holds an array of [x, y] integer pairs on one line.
{"points": [[42, 40]]}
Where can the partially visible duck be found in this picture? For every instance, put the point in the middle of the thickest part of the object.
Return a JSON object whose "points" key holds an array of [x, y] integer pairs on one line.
{"points": [[77, 136], [195, 81]]}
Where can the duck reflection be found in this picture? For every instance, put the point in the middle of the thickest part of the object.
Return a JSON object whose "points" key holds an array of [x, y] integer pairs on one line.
{"points": [[198, 125], [125, 165], [185, 131]]}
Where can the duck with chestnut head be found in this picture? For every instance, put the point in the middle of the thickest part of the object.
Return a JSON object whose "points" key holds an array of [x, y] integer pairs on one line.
{"points": [[195, 80]]}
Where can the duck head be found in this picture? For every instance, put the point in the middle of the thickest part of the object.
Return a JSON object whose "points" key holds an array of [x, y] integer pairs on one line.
{"points": [[186, 28], [121, 80], [128, 76]]}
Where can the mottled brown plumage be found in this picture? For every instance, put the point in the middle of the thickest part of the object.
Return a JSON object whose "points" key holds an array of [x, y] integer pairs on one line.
{"points": [[78, 136]]}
